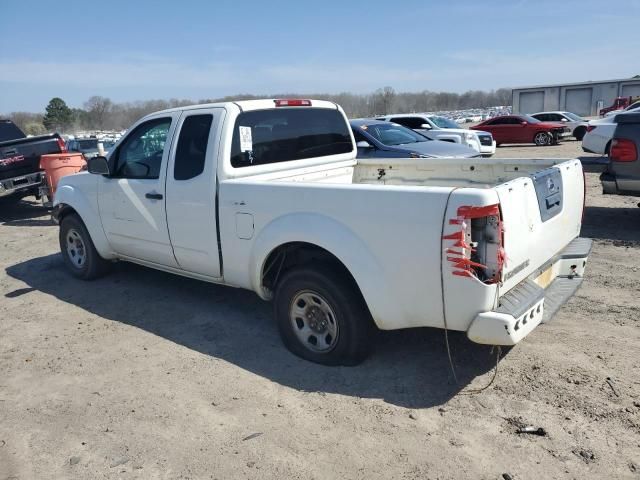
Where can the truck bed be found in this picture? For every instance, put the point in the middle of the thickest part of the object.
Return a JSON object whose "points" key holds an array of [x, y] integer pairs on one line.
{"points": [[394, 215], [452, 172]]}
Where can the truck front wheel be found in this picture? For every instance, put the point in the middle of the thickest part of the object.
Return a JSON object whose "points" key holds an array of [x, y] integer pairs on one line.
{"points": [[322, 316], [79, 254]]}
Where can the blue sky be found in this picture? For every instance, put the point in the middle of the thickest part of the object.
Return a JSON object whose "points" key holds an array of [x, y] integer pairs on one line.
{"points": [[141, 49]]}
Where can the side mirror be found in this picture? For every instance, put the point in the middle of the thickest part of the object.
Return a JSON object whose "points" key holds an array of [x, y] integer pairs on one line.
{"points": [[425, 126], [98, 165], [363, 144]]}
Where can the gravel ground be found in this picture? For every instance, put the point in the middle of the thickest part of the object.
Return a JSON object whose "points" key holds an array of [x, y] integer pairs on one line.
{"points": [[147, 375]]}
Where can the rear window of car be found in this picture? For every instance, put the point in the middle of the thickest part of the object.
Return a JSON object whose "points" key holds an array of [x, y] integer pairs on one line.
{"points": [[88, 144], [284, 134]]}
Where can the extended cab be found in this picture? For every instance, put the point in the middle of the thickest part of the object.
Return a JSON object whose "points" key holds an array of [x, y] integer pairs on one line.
{"points": [[20, 173], [268, 195]]}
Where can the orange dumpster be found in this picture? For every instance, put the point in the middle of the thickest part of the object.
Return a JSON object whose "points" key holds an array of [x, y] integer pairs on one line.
{"points": [[58, 165]]}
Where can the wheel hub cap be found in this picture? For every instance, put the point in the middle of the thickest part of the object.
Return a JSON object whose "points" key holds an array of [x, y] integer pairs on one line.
{"points": [[76, 249], [313, 321]]}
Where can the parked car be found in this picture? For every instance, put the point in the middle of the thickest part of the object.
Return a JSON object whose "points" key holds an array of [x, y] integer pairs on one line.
{"points": [[20, 173], [622, 174], [379, 139], [268, 195], [619, 103], [576, 123], [523, 129], [597, 138], [633, 107], [437, 127], [87, 146]]}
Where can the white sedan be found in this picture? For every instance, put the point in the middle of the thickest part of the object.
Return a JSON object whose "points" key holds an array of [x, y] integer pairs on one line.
{"points": [[598, 136], [577, 124]]}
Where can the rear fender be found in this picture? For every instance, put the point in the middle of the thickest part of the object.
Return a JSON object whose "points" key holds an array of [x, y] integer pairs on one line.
{"points": [[336, 238]]}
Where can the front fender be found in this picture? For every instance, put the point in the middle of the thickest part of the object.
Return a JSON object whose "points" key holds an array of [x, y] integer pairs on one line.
{"points": [[86, 206], [336, 238], [450, 137]]}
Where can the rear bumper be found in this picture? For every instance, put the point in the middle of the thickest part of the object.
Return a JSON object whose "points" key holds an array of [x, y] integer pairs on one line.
{"points": [[535, 300], [488, 149], [609, 185], [9, 186]]}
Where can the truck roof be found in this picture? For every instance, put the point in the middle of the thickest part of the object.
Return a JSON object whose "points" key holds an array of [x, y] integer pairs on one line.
{"points": [[248, 105]]}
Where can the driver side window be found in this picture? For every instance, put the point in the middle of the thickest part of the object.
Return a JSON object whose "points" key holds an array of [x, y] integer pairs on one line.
{"points": [[140, 155]]}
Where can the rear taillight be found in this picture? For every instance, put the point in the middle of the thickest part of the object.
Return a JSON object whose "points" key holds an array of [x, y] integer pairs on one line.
{"points": [[623, 150], [292, 102], [590, 128], [478, 247], [62, 145]]}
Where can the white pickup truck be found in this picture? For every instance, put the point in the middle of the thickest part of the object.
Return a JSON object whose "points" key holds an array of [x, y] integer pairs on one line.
{"points": [[268, 195]]}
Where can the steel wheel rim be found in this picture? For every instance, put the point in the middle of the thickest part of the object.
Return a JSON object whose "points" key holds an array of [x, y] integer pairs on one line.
{"points": [[313, 322], [541, 138], [76, 250]]}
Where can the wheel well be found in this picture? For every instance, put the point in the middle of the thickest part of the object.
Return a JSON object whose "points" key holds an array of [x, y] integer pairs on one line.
{"points": [[64, 210], [295, 254]]}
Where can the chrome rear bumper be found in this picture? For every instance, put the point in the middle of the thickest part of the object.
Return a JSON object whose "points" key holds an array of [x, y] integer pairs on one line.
{"points": [[535, 300]]}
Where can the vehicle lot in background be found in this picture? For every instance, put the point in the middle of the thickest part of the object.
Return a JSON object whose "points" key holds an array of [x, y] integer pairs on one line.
{"points": [[437, 127], [137, 371]]}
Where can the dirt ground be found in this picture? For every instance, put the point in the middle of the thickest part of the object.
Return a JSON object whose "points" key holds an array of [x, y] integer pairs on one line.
{"points": [[146, 375]]}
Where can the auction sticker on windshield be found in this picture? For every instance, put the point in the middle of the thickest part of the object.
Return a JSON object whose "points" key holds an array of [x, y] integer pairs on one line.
{"points": [[246, 143]]}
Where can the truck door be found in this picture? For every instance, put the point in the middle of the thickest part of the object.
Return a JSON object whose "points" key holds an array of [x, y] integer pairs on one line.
{"points": [[191, 191], [131, 199]]}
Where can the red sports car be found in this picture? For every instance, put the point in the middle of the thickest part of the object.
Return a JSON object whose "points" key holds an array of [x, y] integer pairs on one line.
{"points": [[523, 129]]}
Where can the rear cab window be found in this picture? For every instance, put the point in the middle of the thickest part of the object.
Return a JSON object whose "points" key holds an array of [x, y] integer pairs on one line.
{"points": [[284, 134]]}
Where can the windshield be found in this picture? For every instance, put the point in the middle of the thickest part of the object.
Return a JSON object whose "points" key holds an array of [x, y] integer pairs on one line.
{"points": [[530, 119], [574, 117], [392, 134], [444, 122]]}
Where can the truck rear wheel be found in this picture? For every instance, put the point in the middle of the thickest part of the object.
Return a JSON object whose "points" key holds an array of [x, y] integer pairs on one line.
{"points": [[79, 254], [322, 316]]}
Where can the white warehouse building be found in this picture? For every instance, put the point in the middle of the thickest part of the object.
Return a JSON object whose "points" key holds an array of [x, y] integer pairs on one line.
{"points": [[584, 98]]}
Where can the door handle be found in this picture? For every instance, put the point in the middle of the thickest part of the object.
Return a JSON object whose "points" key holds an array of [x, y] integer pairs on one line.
{"points": [[153, 196]]}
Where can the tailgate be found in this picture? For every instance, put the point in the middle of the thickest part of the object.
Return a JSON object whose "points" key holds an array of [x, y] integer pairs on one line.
{"points": [[541, 215]]}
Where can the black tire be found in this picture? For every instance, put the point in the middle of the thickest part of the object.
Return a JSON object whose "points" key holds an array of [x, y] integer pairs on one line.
{"points": [[579, 132], [543, 139], [348, 315], [92, 265]]}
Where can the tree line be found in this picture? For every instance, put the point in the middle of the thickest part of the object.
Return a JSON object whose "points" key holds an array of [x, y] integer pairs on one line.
{"points": [[100, 113]]}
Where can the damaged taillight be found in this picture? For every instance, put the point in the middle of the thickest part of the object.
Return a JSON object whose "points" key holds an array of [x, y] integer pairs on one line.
{"points": [[477, 249], [61, 145]]}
